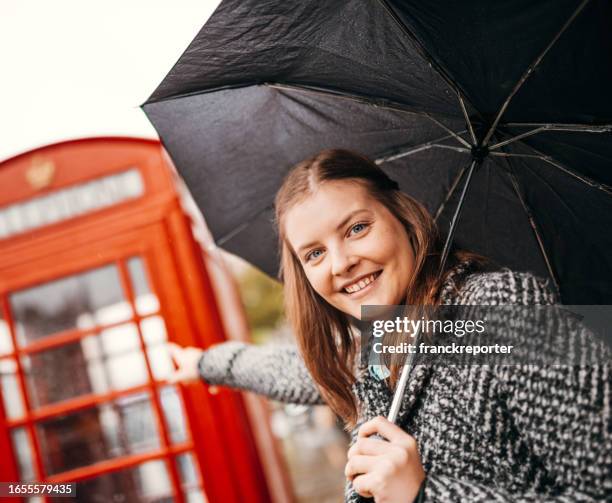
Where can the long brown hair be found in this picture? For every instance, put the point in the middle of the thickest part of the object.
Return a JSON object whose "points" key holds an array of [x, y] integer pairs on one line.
{"points": [[324, 334]]}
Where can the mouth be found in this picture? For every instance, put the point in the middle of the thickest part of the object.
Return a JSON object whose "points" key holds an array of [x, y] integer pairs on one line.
{"points": [[361, 286]]}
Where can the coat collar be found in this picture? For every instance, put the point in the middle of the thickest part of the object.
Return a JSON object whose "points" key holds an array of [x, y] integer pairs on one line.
{"points": [[375, 397]]}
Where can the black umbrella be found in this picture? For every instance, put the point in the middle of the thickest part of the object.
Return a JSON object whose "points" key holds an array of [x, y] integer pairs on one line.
{"points": [[506, 102]]}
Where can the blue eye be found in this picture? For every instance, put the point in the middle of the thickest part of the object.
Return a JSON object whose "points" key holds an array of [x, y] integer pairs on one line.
{"points": [[357, 228], [312, 255]]}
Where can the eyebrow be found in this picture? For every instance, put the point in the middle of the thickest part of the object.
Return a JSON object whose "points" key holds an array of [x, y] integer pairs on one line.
{"points": [[340, 225]]}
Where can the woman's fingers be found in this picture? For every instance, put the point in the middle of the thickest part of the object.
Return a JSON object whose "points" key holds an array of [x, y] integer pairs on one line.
{"points": [[179, 376], [364, 484], [174, 378], [368, 447], [387, 470], [385, 428], [358, 465], [382, 426], [175, 351], [186, 360]]}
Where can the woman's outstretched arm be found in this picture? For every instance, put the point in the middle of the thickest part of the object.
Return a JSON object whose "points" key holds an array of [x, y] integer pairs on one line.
{"points": [[276, 371]]}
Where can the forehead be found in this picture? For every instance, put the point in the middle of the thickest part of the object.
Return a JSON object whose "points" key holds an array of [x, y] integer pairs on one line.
{"points": [[318, 214]]}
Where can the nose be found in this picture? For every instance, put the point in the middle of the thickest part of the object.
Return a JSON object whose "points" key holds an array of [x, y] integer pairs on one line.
{"points": [[342, 261]]}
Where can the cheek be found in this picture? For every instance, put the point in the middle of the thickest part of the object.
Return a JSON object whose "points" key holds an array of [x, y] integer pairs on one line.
{"points": [[396, 250], [318, 281], [389, 238]]}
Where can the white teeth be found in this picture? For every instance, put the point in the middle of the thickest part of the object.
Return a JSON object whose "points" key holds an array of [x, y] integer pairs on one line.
{"points": [[360, 284]]}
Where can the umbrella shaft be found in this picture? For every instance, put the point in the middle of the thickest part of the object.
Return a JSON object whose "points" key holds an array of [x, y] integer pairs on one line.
{"points": [[403, 380]]}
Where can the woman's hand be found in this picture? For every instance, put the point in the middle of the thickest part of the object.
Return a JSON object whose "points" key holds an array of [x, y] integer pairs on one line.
{"points": [[389, 471], [186, 359]]}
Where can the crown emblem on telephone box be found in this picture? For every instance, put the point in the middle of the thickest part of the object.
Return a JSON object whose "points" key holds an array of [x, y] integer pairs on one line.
{"points": [[40, 174]]}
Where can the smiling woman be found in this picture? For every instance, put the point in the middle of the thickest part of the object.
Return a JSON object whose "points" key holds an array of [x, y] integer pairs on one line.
{"points": [[349, 237], [353, 255], [371, 244]]}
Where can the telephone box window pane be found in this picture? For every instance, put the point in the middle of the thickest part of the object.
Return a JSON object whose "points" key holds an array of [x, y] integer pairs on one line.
{"points": [[6, 344], [139, 428], [120, 339], [57, 374], [74, 302], [146, 301], [154, 330], [173, 413], [23, 451], [127, 370], [195, 496], [160, 361], [126, 426], [148, 482], [155, 337], [125, 363], [9, 386], [187, 469], [94, 364]]}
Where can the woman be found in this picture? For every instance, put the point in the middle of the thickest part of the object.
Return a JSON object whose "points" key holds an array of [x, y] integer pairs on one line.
{"points": [[349, 237]]}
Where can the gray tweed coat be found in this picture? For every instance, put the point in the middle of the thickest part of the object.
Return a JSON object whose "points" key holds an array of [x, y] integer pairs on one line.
{"points": [[485, 433]]}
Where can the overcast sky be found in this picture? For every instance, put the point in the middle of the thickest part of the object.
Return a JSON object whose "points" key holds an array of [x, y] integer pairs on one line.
{"points": [[74, 68]]}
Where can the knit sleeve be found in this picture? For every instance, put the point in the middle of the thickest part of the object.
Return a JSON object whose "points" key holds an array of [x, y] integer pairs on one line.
{"points": [[276, 371]]}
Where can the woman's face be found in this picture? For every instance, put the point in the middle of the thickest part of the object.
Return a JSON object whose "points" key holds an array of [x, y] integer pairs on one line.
{"points": [[353, 250]]}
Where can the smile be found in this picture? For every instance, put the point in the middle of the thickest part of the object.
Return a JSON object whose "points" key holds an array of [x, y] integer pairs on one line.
{"points": [[362, 284]]}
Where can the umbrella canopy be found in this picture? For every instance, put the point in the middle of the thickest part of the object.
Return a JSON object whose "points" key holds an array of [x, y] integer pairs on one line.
{"points": [[511, 96]]}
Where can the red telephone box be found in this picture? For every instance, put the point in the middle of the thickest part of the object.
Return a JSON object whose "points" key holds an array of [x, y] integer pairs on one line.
{"points": [[98, 269]]}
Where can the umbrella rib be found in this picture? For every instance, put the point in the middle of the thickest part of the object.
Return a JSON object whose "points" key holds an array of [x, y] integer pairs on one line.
{"points": [[450, 192], [398, 154], [448, 130], [188, 94], [534, 226], [586, 128], [366, 100], [456, 215], [553, 162], [530, 70], [467, 119], [237, 230], [553, 127], [456, 149], [328, 91], [516, 138], [420, 48]]}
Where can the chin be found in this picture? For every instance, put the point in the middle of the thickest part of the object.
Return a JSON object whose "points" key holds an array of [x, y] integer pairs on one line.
{"points": [[376, 301]]}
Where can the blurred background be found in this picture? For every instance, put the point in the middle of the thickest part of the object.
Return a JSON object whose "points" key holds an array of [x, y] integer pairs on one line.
{"points": [[104, 258]]}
